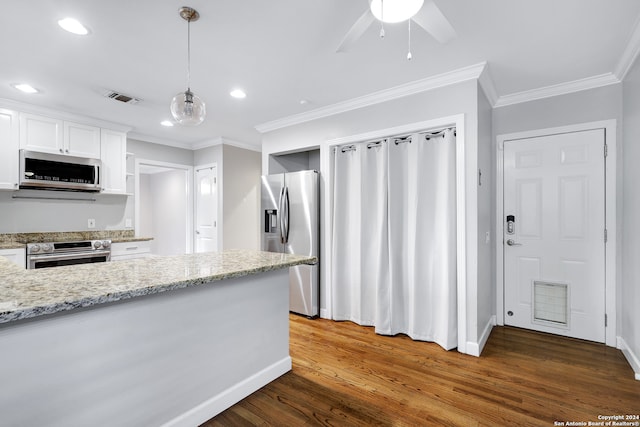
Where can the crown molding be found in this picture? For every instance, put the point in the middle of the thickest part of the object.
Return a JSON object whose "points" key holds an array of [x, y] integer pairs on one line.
{"points": [[630, 53], [486, 83], [441, 80], [155, 140], [558, 89], [226, 141]]}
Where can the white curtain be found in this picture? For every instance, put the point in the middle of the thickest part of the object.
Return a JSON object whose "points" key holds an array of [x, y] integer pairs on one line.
{"points": [[394, 236]]}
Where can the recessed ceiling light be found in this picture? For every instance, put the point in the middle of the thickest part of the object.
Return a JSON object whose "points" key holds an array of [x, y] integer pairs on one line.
{"points": [[167, 123], [238, 93], [73, 26], [26, 88]]}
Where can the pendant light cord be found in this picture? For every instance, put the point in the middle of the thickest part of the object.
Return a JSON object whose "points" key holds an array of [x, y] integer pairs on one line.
{"points": [[189, 54], [409, 56], [381, 19]]}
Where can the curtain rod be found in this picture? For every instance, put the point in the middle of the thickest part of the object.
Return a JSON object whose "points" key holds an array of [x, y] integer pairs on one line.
{"points": [[376, 143]]}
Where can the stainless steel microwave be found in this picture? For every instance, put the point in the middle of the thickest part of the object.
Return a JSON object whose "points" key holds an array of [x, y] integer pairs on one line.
{"points": [[47, 171]]}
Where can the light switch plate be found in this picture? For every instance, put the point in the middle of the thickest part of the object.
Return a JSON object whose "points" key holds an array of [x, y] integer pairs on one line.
{"points": [[91, 223], [127, 223]]}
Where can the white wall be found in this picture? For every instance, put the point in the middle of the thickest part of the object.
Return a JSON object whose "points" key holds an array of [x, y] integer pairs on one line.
{"points": [[146, 227], [630, 283], [456, 99], [36, 215], [241, 201], [169, 211], [160, 153], [486, 202]]}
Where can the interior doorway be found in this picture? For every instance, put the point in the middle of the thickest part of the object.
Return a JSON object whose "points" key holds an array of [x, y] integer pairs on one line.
{"points": [[554, 253], [163, 206], [556, 230], [206, 218]]}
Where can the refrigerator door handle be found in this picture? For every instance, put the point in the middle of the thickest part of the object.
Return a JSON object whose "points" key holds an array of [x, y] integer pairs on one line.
{"points": [[285, 215], [281, 215]]}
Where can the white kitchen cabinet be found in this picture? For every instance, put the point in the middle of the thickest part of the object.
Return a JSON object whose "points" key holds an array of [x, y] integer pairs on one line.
{"points": [[9, 145], [130, 250], [81, 140], [39, 133], [113, 153], [18, 256]]}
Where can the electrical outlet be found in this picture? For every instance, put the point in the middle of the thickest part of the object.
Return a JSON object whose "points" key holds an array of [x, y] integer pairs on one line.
{"points": [[127, 223], [487, 237], [91, 223]]}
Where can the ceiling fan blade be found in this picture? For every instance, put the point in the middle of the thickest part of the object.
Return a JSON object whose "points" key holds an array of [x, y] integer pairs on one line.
{"points": [[356, 31], [434, 22]]}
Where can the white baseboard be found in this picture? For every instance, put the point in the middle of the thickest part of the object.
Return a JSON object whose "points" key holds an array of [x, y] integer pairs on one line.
{"points": [[632, 358], [475, 348], [231, 396]]}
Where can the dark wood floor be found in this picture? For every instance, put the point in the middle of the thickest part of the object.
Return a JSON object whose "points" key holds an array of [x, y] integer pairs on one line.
{"points": [[345, 375]]}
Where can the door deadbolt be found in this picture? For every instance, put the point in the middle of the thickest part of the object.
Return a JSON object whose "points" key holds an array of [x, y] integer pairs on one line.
{"points": [[511, 224]]}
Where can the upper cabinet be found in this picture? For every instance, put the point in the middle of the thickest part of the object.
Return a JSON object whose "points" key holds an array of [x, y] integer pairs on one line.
{"points": [[81, 140], [49, 135], [9, 143], [114, 163]]}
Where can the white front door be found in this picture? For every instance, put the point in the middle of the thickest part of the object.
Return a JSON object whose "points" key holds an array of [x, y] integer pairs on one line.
{"points": [[554, 234], [206, 209]]}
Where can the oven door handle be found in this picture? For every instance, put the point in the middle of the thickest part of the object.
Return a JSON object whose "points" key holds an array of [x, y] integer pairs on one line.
{"points": [[75, 255]]}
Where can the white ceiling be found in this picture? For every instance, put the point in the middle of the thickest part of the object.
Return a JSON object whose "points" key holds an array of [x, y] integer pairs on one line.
{"points": [[283, 51]]}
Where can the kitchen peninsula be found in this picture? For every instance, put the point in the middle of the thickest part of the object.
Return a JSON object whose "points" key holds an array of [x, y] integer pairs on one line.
{"points": [[156, 341]]}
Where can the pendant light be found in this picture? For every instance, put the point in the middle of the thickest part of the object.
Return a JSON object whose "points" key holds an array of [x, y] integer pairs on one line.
{"points": [[186, 107]]}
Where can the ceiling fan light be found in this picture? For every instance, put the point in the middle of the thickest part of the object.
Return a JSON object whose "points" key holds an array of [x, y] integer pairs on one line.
{"points": [[395, 10], [74, 26], [188, 109]]}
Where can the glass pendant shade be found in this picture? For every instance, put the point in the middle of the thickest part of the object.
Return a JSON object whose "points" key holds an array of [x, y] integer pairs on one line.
{"points": [[395, 10], [188, 109]]}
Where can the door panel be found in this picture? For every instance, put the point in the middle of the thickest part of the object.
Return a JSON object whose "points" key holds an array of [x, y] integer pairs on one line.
{"points": [[206, 210], [554, 267], [303, 213]]}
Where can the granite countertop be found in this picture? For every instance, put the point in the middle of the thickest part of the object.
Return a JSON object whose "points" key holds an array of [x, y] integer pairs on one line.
{"points": [[19, 240], [32, 293]]}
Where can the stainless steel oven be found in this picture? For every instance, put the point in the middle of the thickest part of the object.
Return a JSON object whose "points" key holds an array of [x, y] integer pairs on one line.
{"points": [[55, 254]]}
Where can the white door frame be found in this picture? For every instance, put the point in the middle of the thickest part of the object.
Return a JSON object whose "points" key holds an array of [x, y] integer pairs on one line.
{"points": [[188, 173], [218, 204], [610, 216], [326, 173]]}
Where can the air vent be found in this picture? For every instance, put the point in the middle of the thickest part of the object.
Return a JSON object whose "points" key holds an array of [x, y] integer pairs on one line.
{"points": [[127, 99]]}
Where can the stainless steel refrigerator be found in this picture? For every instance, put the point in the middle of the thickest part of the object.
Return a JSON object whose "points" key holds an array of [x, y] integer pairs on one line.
{"points": [[290, 224]]}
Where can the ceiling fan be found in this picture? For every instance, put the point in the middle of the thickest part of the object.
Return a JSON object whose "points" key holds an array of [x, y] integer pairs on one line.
{"points": [[424, 13]]}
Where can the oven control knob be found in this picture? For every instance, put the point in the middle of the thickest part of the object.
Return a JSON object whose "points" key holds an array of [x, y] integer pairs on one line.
{"points": [[35, 248], [106, 244], [97, 244], [47, 247]]}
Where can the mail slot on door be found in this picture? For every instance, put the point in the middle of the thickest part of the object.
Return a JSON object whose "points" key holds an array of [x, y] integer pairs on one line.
{"points": [[270, 220]]}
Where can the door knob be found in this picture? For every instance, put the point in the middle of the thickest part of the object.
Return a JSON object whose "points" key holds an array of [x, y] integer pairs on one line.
{"points": [[512, 242]]}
